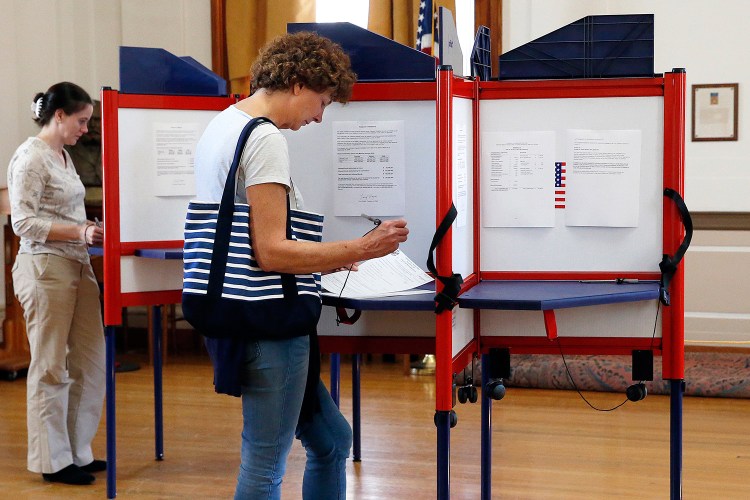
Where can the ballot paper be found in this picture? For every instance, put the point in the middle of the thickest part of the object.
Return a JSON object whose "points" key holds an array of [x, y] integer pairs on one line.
{"points": [[393, 274]]}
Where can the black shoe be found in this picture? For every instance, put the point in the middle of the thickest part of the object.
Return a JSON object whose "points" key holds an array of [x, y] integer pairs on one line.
{"points": [[72, 474], [95, 466]]}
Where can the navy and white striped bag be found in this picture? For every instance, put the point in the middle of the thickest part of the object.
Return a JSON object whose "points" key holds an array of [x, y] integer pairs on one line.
{"points": [[225, 293]]}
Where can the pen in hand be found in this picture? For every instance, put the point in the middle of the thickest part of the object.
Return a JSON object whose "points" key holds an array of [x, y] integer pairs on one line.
{"points": [[374, 220], [98, 234]]}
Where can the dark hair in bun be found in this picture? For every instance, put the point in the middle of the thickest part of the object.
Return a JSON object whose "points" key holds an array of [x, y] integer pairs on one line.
{"points": [[64, 95]]}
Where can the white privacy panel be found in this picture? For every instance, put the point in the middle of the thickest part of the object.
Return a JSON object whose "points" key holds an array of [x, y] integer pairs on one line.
{"points": [[313, 163], [146, 215], [571, 248]]}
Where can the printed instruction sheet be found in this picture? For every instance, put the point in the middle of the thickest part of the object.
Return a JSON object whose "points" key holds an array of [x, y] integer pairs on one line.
{"points": [[518, 175], [370, 168], [603, 178]]}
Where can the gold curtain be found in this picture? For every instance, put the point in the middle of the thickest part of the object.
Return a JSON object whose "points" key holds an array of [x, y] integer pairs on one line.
{"points": [[252, 23], [397, 19]]}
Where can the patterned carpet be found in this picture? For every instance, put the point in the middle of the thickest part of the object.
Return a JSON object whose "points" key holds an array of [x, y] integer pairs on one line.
{"points": [[712, 374]]}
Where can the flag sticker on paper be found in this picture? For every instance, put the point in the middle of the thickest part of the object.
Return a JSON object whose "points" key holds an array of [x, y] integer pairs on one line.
{"points": [[559, 184]]}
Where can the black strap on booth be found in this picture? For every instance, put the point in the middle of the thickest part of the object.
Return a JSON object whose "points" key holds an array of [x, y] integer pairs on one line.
{"points": [[343, 317], [668, 265], [447, 299]]}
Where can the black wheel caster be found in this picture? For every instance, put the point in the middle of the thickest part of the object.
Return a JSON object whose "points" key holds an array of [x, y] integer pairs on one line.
{"points": [[473, 395], [452, 418], [495, 390], [462, 396]]}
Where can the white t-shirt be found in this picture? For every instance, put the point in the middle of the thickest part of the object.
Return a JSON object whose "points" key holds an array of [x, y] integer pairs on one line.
{"points": [[265, 158]]}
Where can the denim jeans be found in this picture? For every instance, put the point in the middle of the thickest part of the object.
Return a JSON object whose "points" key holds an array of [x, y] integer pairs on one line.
{"points": [[273, 385]]}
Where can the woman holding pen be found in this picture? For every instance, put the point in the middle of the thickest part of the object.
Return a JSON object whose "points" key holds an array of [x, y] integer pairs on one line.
{"points": [[55, 284], [293, 80]]}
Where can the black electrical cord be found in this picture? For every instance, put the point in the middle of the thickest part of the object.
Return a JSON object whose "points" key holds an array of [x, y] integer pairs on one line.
{"points": [[575, 386]]}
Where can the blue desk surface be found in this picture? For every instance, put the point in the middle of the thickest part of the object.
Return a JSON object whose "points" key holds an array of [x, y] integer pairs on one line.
{"points": [[160, 253], [149, 253], [506, 295], [546, 295]]}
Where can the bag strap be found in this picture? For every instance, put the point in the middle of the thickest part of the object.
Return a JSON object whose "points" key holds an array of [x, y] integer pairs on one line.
{"points": [[224, 222], [289, 281], [668, 265], [448, 297]]}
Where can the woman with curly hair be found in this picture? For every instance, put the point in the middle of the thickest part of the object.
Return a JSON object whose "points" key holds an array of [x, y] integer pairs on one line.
{"points": [[293, 80]]}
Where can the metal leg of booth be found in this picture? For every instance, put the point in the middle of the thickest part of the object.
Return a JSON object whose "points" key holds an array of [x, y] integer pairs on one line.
{"points": [[109, 337], [158, 384], [486, 445], [443, 424], [356, 408], [677, 388]]}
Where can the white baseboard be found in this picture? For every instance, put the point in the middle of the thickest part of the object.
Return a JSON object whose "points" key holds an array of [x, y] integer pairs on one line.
{"points": [[717, 329]]}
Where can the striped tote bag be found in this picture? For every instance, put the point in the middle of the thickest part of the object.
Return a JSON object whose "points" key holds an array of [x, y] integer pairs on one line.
{"points": [[225, 293]]}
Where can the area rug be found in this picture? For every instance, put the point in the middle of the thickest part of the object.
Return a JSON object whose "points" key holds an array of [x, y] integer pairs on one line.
{"points": [[711, 374]]}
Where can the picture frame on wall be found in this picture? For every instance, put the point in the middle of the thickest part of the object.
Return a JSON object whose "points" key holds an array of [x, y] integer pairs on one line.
{"points": [[715, 108]]}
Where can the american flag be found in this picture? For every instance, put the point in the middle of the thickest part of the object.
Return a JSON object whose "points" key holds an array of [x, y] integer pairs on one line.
{"points": [[559, 184], [425, 24]]}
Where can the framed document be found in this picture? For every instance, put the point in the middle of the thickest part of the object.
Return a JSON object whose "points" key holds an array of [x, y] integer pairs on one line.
{"points": [[715, 112]]}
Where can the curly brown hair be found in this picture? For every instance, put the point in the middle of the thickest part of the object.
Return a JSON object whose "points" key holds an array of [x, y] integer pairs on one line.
{"points": [[306, 58]]}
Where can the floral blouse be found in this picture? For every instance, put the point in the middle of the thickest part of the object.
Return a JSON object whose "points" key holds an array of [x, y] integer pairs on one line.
{"points": [[44, 190]]}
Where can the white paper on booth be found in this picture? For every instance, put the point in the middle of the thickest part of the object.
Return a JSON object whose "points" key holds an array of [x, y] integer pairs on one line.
{"points": [[603, 178], [460, 175], [518, 175], [370, 168], [174, 154], [392, 274]]}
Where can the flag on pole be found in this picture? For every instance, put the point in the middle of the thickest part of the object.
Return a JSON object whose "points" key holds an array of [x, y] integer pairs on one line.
{"points": [[425, 26]]}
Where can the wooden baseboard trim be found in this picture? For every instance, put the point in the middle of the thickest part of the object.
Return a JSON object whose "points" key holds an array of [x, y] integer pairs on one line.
{"points": [[721, 221]]}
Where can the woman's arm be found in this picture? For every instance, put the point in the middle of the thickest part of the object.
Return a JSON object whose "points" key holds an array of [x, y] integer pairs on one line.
{"points": [[88, 233], [25, 198], [275, 253]]}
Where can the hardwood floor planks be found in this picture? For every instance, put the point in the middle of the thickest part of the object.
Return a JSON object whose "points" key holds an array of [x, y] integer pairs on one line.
{"points": [[546, 444]]}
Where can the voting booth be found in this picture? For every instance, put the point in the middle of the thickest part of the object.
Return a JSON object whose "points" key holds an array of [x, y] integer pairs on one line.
{"points": [[148, 142], [551, 195], [562, 225]]}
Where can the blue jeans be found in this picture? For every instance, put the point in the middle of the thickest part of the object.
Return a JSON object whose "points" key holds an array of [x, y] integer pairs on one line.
{"points": [[273, 385]]}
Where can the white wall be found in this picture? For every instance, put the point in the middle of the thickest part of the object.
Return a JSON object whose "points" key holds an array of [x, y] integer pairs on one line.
{"points": [[46, 41], [43, 42], [709, 39], [717, 287]]}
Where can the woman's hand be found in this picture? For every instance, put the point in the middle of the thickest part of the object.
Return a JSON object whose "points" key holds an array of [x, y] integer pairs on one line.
{"points": [[354, 266], [385, 238], [92, 235]]}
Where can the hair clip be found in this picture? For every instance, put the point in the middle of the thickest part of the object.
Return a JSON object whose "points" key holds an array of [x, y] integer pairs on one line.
{"points": [[36, 107]]}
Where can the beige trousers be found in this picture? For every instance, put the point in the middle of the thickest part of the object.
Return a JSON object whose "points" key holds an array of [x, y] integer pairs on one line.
{"points": [[65, 384]]}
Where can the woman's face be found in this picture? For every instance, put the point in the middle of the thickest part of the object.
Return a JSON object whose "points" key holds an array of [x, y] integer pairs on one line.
{"points": [[307, 106], [72, 127]]}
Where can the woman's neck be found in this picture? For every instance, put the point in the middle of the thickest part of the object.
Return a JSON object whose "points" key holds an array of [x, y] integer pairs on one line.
{"points": [[52, 141], [272, 105]]}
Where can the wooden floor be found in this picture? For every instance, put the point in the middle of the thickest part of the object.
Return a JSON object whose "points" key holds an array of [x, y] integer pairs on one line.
{"points": [[547, 444]]}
